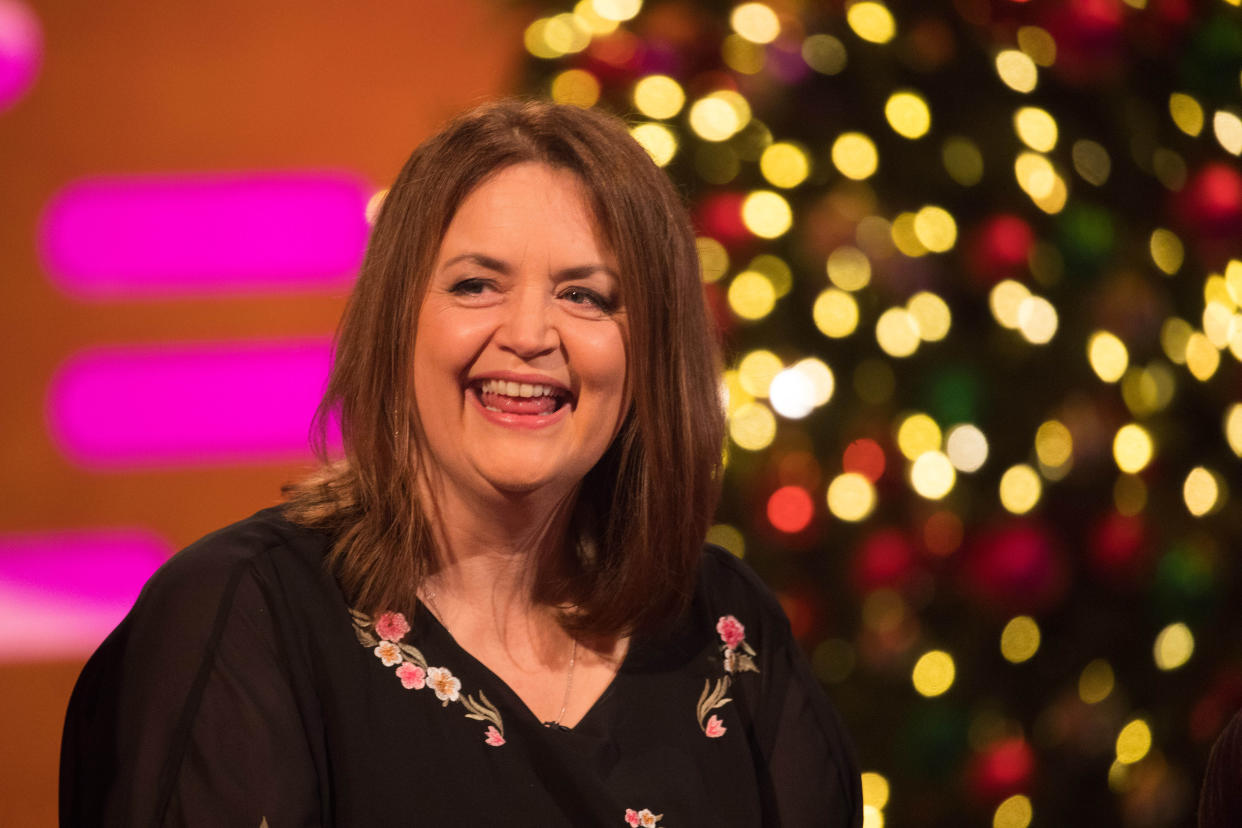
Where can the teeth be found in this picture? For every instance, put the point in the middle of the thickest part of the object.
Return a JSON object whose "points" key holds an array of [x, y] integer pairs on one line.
{"points": [[518, 389]]}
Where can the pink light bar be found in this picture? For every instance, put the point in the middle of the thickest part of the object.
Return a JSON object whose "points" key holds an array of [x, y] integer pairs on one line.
{"points": [[188, 404], [21, 50], [61, 593], [118, 237]]}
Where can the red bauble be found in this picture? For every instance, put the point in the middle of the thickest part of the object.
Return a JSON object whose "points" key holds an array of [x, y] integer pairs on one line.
{"points": [[1002, 769], [1118, 547], [886, 559], [1016, 567], [1211, 203], [999, 248]]}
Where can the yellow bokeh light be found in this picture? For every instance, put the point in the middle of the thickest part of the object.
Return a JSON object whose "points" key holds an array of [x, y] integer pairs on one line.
{"points": [[713, 258], [1020, 639], [752, 426], [824, 53], [849, 268], [917, 434], [931, 315], [1174, 646], [1017, 70], [1036, 128], [1202, 358], [897, 332], [792, 394], [756, 370], [1186, 112], [871, 21], [658, 140], [1133, 742], [751, 295], [962, 160], [577, 87], [932, 475], [1129, 494], [835, 313], [1037, 320], [1014, 812], [966, 447], [1166, 250], [851, 497], [777, 271], [1233, 280], [729, 538], [1038, 44], [784, 165], [1174, 335], [766, 214], [1091, 161], [1202, 491], [1147, 390], [1228, 129], [907, 114], [820, 376], [1132, 448], [1108, 356], [755, 22], [1233, 428], [873, 817], [903, 236], [566, 34], [1020, 489], [618, 10], [933, 673], [1005, 298], [935, 228], [1054, 445], [874, 789], [1037, 178], [719, 116], [854, 155], [659, 97], [1217, 322], [585, 11], [1096, 681], [1216, 289], [742, 55], [536, 40]]}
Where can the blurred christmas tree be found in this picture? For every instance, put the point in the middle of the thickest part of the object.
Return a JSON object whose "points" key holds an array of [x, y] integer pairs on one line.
{"points": [[979, 265]]}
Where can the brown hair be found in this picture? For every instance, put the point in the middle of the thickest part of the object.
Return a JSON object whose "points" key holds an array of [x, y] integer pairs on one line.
{"points": [[642, 512]]}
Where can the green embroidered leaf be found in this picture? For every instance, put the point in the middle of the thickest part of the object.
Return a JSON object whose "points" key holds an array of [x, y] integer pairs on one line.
{"points": [[364, 637], [711, 697], [482, 711], [744, 664], [749, 650], [360, 617], [413, 654]]}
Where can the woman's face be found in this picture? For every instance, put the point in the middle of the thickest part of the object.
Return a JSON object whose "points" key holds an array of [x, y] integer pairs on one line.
{"points": [[519, 356]]}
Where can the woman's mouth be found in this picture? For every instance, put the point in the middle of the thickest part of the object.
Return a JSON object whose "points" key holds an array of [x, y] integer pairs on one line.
{"points": [[506, 397]]}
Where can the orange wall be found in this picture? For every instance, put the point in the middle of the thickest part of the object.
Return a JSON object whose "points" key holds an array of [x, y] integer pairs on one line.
{"points": [[136, 86]]}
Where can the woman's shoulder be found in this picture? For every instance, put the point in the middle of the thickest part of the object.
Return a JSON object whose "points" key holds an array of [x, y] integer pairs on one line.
{"points": [[728, 586]]}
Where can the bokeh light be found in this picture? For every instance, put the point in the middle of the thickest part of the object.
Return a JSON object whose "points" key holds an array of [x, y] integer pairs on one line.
{"points": [[752, 426], [790, 509], [784, 165], [1096, 681], [1133, 742], [1108, 356], [935, 228], [1020, 639], [934, 673], [931, 315], [907, 114], [578, 87], [751, 295], [932, 475], [1017, 70], [1014, 812], [658, 140], [755, 22], [1186, 113], [855, 156], [1020, 489], [766, 214], [835, 313], [1036, 128], [871, 21], [1132, 448], [824, 53], [1174, 646], [966, 447], [897, 332], [849, 268], [659, 97], [916, 434], [1202, 491], [756, 370]]}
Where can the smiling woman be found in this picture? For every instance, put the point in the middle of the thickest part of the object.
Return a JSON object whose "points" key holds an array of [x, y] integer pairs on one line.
{"points": [[502, 586]]}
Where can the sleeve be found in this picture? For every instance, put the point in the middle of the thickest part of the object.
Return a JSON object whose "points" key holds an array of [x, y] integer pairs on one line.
{"points": [[186, 715], [1220, 804], [812, 772]]}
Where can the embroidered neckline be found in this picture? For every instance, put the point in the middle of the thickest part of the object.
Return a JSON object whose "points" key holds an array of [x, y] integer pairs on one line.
{"points": [[383, 636], [737, 656]]}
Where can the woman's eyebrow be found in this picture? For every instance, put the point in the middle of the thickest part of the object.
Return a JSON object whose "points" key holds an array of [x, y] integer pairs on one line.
{"points": [[568, 273]]}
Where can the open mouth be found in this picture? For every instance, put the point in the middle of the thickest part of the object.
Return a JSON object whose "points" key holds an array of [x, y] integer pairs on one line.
{"points": [[505, 397]]}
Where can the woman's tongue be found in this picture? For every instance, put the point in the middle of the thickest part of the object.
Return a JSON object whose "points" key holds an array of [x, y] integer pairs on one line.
{"points": [[517, 405]]}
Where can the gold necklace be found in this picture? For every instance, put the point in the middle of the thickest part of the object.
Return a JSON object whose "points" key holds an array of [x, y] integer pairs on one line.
{"points": [[430, 596]]}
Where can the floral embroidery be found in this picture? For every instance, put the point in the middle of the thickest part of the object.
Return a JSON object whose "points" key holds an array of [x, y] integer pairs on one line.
{"points": [[383, 635], [736, 657], [643, 818]]}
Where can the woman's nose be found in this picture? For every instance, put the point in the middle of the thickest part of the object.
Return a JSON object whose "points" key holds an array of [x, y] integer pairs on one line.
{"points": [[527, 329]]}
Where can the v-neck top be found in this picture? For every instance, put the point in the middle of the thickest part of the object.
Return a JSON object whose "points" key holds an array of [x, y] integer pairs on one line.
{"points": [[242, 690]]}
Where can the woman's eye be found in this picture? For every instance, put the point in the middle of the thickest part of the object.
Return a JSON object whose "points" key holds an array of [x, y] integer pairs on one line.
{"points": [[470, 287], [582, 296]]}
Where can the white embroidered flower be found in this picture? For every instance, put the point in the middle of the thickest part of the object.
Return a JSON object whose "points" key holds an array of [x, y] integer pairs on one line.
{"points": [[730, 660], [442, 681], [389, 653]]}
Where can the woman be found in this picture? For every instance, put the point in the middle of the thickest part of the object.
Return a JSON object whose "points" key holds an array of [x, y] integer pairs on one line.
{"points": [[497, 608]]}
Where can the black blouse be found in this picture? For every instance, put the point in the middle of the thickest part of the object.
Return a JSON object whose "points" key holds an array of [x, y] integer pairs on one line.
{"points": [[241, 690]]}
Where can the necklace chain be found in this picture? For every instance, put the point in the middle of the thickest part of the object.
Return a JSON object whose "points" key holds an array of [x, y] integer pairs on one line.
{"points": [[430, 596]]}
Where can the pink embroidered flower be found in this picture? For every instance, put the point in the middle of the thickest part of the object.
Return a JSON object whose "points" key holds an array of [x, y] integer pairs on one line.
{"points": [[412, 676], [493, 736], [388, 653], [392, 626], [442, 681], [631, 817], [715, 728], [731, 631]]}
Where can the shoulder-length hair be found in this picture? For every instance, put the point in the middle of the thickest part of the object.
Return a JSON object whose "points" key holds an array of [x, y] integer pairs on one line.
{"points": [[641, 514]]}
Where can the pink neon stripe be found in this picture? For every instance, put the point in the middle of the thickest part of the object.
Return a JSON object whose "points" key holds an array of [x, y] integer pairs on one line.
{"points": [[62, 592], [115, 237], [188, 404]]}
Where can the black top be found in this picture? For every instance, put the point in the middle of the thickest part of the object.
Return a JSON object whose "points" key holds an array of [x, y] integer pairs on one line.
{"points": [[1220, 803], [242, 689]]}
